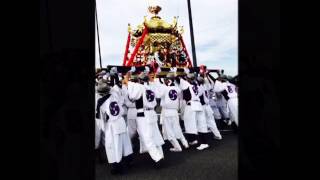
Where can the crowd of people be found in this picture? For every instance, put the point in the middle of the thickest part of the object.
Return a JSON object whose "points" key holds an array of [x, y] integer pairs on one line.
{"points": [[126, 109]]}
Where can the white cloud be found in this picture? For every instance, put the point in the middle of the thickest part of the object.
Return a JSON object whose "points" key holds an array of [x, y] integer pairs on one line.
{"points": [[215, 28]]}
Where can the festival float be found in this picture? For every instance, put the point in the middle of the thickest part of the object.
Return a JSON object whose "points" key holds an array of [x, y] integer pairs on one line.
{"points": [[159, 45]]}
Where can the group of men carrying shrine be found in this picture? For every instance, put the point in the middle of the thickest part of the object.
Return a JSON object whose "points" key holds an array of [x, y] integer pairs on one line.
{"points": [[125, 109]]}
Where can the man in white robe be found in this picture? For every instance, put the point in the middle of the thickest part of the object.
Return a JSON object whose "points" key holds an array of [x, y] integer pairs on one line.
{"points": [[150, 137], [131, 110], [117, 142], [99, 128], [205, 86], [170, 99], [222, 106], [229, 92], [194, 116]]}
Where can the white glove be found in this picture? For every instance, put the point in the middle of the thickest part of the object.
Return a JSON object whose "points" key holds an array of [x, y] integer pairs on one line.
{"points": [[113, 71], [196, 74], [133, 69], [106, 76], [146, 69], [186, 70], [103, 72], [159, 69], [173, 69]]}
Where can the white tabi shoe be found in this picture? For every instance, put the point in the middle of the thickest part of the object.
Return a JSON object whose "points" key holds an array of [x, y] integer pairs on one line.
{"points": [[217, 137], [185, 143], [175, 150], [193, 142], [202, 147]]}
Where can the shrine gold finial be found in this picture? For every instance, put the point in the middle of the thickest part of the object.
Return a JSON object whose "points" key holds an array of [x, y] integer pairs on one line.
{"points": [[154, 10], [154, 7], [129, 28]]}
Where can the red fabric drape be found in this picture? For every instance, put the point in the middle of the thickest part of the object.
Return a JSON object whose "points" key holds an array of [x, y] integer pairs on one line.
{"points": [[127, 49], [145, 31]]}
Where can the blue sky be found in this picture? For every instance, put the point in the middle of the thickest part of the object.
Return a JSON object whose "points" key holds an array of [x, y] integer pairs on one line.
{"points": [[215, 24]]}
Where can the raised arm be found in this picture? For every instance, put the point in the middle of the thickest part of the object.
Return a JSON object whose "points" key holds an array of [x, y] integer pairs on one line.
{"points": [[211, 78]]}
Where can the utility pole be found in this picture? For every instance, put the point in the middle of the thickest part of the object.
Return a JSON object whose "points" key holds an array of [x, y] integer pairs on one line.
{"points": [[98, 36], [194, 57]]}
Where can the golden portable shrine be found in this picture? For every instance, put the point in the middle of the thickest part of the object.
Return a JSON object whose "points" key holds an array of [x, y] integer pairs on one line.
{"points": [[157, 44]]}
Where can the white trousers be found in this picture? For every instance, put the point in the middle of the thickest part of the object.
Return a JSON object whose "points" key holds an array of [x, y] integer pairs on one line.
{"points": [[211, 123], [233, 107], [150, 137], [214, 107], [171, 128], [117, 145], [223, 108], [131, 121], [132, 127], [99, 129], [194, 121]]}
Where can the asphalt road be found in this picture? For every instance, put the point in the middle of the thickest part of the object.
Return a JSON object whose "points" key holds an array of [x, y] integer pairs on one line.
{"points": [[219, 162]]}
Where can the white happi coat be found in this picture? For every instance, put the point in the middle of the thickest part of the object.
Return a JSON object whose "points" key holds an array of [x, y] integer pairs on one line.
{"points": [[232, 102], [193, 116], [182, 105], [119, 94], [149, 101], [117, 141], [222, 105], [123, 94], [213, 105], [211, 123], [147, 127], [207, 88], [131, 116], [99, 125], [170, 102]]}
